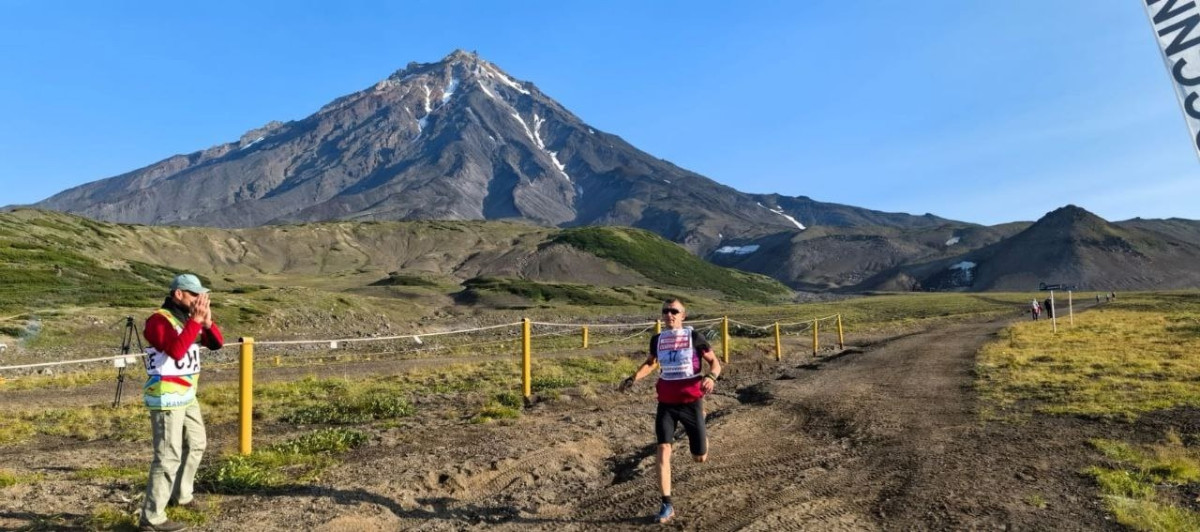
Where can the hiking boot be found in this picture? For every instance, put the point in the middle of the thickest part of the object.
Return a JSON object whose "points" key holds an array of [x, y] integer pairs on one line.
{"points": [[165, 526], [193, 505], [665, 513]]}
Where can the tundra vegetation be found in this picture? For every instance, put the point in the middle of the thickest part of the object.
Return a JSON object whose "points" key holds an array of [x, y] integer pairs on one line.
{"points": [[1117, 363], [70, 282]]}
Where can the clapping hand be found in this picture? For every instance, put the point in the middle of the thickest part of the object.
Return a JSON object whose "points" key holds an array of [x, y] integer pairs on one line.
{"points": [[201, 311]]}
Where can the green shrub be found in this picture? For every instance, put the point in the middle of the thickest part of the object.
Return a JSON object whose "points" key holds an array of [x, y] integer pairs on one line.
{"points": [[540, 292], [509, 399], [492, 411], [1122, 483], [298, 459], [399, 279], [248, 289], [325, 441], [239, 474], [354, 410]]}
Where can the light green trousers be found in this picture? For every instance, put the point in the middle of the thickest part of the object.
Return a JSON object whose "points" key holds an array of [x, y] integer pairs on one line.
{"points": [[179, 442]]}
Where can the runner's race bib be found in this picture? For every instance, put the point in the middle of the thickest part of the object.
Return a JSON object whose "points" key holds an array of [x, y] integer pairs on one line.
{"points": [[676, 356]]}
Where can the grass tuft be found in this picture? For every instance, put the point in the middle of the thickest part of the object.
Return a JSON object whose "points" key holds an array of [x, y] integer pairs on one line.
{"points": [[106, 517], [128, 474], [298, 460], [127, 423], [354, 410]]}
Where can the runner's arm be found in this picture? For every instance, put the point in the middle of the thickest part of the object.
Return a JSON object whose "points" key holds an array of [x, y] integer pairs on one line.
{"points": [[714, 369], [644, 369]]}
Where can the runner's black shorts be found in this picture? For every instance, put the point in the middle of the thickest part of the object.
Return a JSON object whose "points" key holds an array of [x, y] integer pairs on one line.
{"points": [[692, 417]]}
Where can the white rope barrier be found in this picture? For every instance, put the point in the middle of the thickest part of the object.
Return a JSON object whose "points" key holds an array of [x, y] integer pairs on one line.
{"points": [[594, 325], [382, 338], [735, 322], [624, 338], [77, 361], [417, 337]]}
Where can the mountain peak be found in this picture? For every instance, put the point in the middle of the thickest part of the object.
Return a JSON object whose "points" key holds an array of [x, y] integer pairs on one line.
{"points": [[461, 55], [454, 139], [1071, 215]]}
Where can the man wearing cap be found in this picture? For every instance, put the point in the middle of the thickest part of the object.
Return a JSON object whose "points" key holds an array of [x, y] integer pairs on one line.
{"points": [[173, 370]]}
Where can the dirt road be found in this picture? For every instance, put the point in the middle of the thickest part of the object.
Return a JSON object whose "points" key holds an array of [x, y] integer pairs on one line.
{"points": [[882, 436]]}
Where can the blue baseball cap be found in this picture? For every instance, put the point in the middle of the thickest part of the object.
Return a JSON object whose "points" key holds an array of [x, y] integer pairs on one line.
{"points": [[188, 282]]}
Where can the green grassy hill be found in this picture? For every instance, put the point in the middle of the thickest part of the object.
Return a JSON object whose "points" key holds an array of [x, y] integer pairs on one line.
{"points": [[666, 263], [339, 276]]}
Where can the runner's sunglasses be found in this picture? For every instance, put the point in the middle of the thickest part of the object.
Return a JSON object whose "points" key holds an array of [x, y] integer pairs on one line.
{"points": [[671, 311]]}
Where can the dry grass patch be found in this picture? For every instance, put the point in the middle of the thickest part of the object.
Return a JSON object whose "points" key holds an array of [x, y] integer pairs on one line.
{"points": [[1134, 356], [126, 423], [1146, 486], [1115, 362]]}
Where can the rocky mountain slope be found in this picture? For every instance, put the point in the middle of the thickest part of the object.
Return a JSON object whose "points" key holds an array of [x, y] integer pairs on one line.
{"points": [[1067, 246], [48, 259], [458, 139]]}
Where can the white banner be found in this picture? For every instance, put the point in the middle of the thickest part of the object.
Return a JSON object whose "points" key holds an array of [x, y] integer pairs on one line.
{"points": [[1176, 25]]}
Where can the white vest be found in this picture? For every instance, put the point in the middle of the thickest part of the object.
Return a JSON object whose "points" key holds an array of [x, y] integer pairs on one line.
{"points": [[676, 355], [159, 363]]}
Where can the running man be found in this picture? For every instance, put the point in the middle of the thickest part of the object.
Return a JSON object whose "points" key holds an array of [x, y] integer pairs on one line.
{"points": [[681, 388]]}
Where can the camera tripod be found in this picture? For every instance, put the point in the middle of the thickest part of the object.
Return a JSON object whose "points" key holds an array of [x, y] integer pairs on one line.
{"points": [[129, 335]]}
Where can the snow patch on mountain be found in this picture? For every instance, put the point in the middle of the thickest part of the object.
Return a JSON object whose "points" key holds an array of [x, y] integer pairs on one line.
{"points": [[485, 89], [737, 250], [967, 269], [783, 214], [528, 133], [428, 109], [492, 72], [952, 241], [449, 91]]}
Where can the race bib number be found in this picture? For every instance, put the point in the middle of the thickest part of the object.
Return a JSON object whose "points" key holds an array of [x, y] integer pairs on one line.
{"points": [[676, 356]]}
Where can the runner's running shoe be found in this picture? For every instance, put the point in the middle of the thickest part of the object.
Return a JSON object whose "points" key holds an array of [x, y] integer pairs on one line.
{"points": [[665, 513]]}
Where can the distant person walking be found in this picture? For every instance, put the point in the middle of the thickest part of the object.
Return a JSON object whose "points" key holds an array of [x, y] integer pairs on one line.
{"points": [[1048, 306], [1097, 299], [681, 387], [1035, 310], [173, 371]]}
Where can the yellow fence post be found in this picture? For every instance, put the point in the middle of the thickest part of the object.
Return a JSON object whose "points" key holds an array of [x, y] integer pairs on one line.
{"points": [[585, 336], [778, 344], [246, 395], [816, 323], [841, 337], [725, 339], [657, 326], [525, 370]]}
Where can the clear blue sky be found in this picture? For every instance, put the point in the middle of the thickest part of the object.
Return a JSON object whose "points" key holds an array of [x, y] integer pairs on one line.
{"points": [[973, 110]]}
